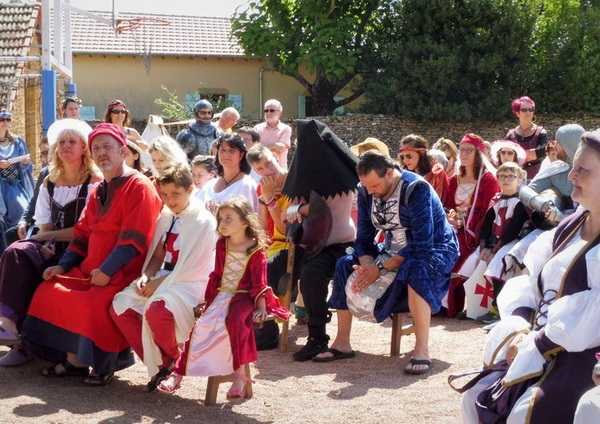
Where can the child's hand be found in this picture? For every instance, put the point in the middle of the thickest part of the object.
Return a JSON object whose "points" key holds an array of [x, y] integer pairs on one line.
{"points": [[140, 283], [150, 287], [259, 315]]}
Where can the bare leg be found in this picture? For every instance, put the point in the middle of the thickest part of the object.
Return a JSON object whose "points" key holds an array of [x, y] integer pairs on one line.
{"points": [[237, 389], [421, 313], [342, 338], [73, 360]]}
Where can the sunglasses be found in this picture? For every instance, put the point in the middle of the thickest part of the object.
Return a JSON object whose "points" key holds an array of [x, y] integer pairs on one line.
{"points": [[408, 156], [5, 119], [271, 110], [44, 152], [509, 177], [528, 109], [467, 150], [117, 111], [506, 152]]}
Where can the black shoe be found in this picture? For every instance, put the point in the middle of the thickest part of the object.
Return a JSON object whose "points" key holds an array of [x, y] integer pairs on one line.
{"points": [[312, 348], [267, 337], [160, 376]]}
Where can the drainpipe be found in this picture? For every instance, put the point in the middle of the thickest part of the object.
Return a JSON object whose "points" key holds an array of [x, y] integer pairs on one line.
{"points": [[260, 90]]}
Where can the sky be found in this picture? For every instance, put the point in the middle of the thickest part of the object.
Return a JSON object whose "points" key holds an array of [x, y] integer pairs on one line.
{"points": [[220, 8]]}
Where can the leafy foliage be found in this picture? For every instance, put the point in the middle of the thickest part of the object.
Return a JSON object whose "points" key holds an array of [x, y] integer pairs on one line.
{"points": [[172, 108], [566, 52], [454, 59], [335, 40]]}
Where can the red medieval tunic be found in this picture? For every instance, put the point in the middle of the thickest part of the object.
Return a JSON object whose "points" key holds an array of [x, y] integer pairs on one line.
{"points": [[468, 235], [74, 306], [234, 287], [439, 181]]}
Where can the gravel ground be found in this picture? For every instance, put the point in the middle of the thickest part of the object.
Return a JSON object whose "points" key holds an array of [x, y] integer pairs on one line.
{"points": [[370, 388]]}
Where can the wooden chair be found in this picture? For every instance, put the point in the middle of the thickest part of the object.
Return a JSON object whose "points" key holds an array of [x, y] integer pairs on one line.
{"points": [[399, 330], [212, 387]]}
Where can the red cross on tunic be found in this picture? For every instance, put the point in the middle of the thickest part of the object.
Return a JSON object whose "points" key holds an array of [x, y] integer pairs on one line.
{"points": [[487, 293]]}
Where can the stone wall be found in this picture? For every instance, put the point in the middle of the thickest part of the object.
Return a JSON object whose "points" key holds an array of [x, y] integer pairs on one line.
{"points": [[354, 128]]}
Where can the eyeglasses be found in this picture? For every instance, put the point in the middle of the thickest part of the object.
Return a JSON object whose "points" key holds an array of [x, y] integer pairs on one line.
{"points": [[506, 152], [532, 109], [467, 150], [5, 119], [503, 177], [408, 156], [271, 110], [117, 111]]}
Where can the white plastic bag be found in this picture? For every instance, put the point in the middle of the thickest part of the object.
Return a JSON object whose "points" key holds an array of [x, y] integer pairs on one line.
{"points": [[362, 304]]}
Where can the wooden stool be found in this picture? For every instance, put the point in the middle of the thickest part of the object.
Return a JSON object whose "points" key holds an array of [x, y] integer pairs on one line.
{"points": [[399, 330], [212, 388]]}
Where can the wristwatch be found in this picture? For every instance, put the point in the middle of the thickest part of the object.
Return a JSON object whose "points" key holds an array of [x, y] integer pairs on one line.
{"points": [[381, 268]]}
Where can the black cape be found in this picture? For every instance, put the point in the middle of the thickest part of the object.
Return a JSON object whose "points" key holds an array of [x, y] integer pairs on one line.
{"points": [[323, 163]]}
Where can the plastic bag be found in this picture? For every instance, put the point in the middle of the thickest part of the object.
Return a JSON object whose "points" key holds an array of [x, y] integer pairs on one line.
{"points": [[362, 304]]}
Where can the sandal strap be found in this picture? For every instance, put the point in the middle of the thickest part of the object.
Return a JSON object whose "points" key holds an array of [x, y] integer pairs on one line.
{"points": [[243, 377]]}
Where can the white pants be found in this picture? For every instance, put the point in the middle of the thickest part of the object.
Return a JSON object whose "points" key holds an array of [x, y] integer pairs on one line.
{"points": [[588, 408]]}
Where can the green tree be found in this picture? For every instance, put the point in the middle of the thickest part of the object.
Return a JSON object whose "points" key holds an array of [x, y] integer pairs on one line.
{"points": [[566, 53], [455, 59], [335, 40]]}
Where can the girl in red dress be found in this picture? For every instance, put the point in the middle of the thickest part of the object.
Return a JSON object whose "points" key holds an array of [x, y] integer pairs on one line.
{"points": [[222, 340]]}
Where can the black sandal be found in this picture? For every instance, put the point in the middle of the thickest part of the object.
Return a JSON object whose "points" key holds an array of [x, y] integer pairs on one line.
{"points": [[65, 369], [158, 378], [99, 379]]}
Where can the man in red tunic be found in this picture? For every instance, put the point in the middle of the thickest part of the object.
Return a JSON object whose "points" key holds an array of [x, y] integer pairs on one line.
{"points": [[70, 310]]}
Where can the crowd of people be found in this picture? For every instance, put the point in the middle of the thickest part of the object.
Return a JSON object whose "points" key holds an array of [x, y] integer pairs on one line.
{"points": [[178, 260]]}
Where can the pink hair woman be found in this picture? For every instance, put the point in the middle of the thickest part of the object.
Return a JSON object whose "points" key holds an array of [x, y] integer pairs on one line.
{"points": [[528, 135]]}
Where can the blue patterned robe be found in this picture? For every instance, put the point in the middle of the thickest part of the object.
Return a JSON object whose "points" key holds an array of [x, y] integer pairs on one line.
{"points": [[430, 253]]}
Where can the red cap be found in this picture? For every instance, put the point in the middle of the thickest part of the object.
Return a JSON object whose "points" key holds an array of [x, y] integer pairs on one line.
{"points": [[475, 140], [109, 129]]}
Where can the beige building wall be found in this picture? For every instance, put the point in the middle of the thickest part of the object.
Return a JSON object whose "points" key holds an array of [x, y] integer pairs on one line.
{"points": [[101, 79]]}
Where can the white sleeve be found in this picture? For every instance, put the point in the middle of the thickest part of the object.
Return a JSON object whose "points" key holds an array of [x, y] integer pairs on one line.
{"points": [[522, 291], [42, 207], [574, 321]]}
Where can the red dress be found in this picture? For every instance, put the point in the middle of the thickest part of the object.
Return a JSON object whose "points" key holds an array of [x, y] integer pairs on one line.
{"points": [[468, 235], [199, 353], [127, 217]]}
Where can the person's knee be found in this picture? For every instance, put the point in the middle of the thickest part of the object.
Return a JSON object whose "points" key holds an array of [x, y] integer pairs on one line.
{"points": [[158, 312]]}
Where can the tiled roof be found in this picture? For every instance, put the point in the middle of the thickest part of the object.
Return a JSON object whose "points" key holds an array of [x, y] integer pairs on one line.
{"points": [[17, 25], [183, 36]]}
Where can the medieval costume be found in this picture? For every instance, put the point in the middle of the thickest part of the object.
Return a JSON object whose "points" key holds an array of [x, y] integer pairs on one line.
{"points": [[472, 202], [415, 228], [557, 307], [120, 214], [222, 339], [16, 186], [22, 263], [323, 164], [439, 181], [187, 266], [198, 137], [537, 141]]}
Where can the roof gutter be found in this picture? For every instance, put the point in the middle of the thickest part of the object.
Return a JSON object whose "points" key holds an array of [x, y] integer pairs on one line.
{"points": [[19, 59]]}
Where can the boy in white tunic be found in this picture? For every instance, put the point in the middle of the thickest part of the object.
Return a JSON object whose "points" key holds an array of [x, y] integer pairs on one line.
{"points": [[173, 280]]}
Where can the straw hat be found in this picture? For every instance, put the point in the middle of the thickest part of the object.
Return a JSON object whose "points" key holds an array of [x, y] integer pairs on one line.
{"points": [[370, 143]]}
